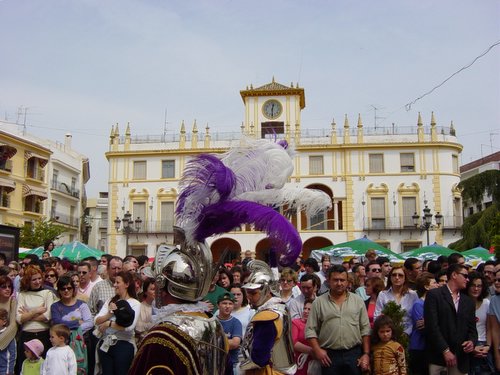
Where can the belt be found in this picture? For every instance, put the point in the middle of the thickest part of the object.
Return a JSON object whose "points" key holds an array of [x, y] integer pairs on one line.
{"points": [[357, 347]]}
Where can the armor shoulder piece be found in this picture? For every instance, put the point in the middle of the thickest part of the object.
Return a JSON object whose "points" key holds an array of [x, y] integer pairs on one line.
{"points": [[265, 316], [279, 328]]}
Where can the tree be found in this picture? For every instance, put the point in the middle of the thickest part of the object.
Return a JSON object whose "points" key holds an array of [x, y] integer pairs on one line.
{"points": [[481, 228], [41, 231]]}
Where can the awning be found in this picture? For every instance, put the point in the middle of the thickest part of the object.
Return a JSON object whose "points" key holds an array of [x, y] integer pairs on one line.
{"points": [[33, 190], [7, 185], [42, 160], [6, 151]]}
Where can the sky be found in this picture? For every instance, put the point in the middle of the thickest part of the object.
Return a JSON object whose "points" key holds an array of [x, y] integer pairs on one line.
{"points": [[80, 66]]}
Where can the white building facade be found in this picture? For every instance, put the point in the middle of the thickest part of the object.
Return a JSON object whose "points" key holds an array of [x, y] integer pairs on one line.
{"points": [[379, 179]]}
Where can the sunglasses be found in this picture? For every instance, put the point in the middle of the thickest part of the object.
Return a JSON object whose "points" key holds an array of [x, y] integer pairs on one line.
{"points": [[50, 275], [465, 275], [83, 272], [65, 289], [376, 270], [398, 275]]}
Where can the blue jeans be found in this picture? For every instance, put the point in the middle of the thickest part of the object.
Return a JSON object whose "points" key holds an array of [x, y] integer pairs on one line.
{"points": [[481, 366], [344, 362], [118, 359], [8, 358]]}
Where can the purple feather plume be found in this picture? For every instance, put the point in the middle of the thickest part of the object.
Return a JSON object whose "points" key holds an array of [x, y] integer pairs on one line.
{"points": [[225, 216], [205, 180]]}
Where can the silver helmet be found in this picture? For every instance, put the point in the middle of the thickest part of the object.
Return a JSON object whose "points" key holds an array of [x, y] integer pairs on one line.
{"points": [[261, 277], [185, 270]]}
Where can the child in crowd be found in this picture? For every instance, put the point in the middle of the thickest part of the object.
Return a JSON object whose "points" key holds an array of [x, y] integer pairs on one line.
{"points": [[33, 350], [8, 355], [388, 355], [60, 359], [232, 328]]}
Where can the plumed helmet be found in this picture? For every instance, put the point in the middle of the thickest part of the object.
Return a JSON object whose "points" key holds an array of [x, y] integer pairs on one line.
{"points": [[185, 271], [261, 277]]}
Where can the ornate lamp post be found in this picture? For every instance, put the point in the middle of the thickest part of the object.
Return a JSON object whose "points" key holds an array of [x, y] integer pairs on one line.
{"points": [[427, 220], [127, 226]]}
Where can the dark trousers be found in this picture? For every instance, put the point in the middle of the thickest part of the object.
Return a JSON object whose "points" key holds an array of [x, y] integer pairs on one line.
{"points": [[418, 362], [91, 342], [344, 362], [118, 359]]}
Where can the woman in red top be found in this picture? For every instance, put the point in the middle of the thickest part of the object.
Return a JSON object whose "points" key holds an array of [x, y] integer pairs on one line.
{"points": [[303, 352], [373, 286]]}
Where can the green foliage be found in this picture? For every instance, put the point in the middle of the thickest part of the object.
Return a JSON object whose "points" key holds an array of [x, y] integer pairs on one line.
{"points": [[495, 240], [36, 234], [480, 229], [396, 313], [474, 188]]}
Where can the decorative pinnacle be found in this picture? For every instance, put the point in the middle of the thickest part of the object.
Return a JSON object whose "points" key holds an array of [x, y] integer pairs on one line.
{"points": [[433, 120]]}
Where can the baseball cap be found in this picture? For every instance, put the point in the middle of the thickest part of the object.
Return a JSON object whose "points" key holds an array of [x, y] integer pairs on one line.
{"points": [[35, 346], [226, 297]]}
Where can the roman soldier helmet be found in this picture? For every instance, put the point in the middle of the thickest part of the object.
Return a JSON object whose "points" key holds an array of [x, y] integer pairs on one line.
{"points": [[185, 270], [262, 277]]}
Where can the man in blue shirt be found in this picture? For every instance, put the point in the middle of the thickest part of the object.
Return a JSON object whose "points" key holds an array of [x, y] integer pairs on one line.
{"points": [[232, 328]]}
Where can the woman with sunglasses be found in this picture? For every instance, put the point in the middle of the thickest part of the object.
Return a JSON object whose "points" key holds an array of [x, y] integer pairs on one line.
{"points": [[50, 278], [33, 311], [8, 337], [288, 279], [397, 290], [76, 315]]}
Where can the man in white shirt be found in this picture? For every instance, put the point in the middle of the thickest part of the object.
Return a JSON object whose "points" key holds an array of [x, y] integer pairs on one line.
{"points": [[309, 285]]}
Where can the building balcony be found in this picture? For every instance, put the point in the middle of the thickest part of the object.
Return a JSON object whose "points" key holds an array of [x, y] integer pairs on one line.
{"points": [[154, 227], [65, 219], [406, 223], [65, 188]]}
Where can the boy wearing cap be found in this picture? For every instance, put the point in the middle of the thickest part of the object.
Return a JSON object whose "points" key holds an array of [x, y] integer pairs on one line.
{"points": [[33, 350], [232, 328]]}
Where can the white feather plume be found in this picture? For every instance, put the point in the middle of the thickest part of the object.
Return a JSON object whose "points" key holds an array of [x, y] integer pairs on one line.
{"points": [[258, 165], [310, 201]]}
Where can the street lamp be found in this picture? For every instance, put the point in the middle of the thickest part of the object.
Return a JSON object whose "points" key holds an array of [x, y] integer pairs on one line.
{"points": [[427, 220], [128, 226]]}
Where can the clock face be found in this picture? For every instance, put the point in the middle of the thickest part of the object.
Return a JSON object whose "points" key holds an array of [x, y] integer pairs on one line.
{"points": [[272, 109]]}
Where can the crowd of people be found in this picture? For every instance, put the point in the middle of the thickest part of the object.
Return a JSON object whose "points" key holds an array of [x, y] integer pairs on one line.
{"points": [[91, 316]]}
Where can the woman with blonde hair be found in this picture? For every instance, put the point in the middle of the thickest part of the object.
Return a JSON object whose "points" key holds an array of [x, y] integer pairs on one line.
{"points": [[287, 280]]}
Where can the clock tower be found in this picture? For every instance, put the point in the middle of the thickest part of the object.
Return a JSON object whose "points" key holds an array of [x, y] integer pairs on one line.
{"points": [[273, 109]]}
